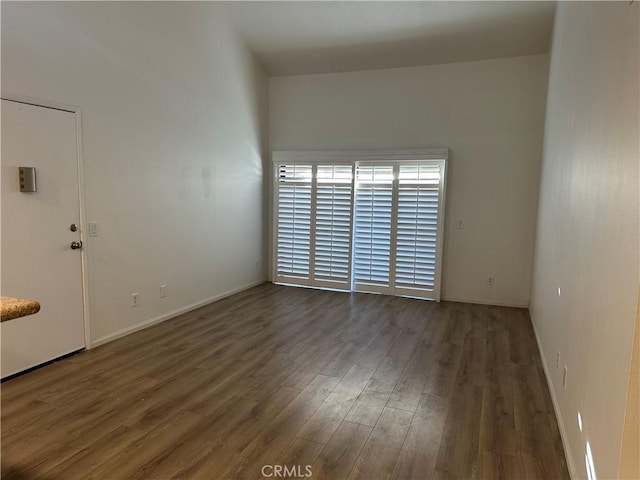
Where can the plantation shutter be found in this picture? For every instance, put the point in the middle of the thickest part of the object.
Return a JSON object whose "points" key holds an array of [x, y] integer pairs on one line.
{"points": [[293, 223], [332, 262], [360, 221], [372, 224], [418, 210]]}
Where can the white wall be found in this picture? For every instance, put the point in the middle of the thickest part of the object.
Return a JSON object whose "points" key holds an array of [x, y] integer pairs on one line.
{"points": [[587, 231], [174, 115], [490, 114]]}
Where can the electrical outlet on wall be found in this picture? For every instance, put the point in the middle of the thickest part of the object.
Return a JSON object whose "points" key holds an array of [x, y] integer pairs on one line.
{"points": [[490, 280], [134, 300], [460, 224], [163, 291]]}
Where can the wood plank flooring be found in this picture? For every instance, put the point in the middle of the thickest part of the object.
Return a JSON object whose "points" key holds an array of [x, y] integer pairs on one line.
{"points": [[354, 386]]}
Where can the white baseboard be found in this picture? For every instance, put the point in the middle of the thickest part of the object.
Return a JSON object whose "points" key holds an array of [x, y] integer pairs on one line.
{"points": [[556, 407], [166, 316], [447, 298]]}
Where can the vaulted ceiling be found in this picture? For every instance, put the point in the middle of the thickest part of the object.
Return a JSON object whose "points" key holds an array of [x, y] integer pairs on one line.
{"points": [[301, 37]]}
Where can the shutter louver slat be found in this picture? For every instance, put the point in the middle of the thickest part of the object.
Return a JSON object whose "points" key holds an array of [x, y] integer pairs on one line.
{"points": [[294, 222], [418, 210], [372, 224], [333, 226]]}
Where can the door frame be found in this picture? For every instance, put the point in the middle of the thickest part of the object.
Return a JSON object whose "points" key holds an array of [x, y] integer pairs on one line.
{"points": [[77, 112]]}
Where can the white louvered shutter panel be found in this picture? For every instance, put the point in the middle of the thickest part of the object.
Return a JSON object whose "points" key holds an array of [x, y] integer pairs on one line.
{"points": [[293, 217], [332, 255], [372, 224], [416, 259]]}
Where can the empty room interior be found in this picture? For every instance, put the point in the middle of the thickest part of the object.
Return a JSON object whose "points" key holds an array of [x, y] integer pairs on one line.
{"points": [[324, 240]]}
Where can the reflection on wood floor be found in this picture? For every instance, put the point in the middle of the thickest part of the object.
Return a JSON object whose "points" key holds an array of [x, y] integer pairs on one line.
{"points": [[352, 385]]}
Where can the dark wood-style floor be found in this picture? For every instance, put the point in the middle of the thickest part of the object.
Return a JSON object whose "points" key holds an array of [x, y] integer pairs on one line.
{"points": [[357, 386]]}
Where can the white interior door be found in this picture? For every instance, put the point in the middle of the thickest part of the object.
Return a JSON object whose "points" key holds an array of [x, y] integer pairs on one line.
{"points": [[37, 259]]}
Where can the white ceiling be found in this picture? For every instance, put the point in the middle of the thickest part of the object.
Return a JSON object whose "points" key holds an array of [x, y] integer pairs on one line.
{"points": [[299, 37]]}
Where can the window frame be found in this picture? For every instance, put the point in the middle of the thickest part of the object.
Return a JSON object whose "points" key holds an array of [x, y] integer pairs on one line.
{"points": [[353, 158]]}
